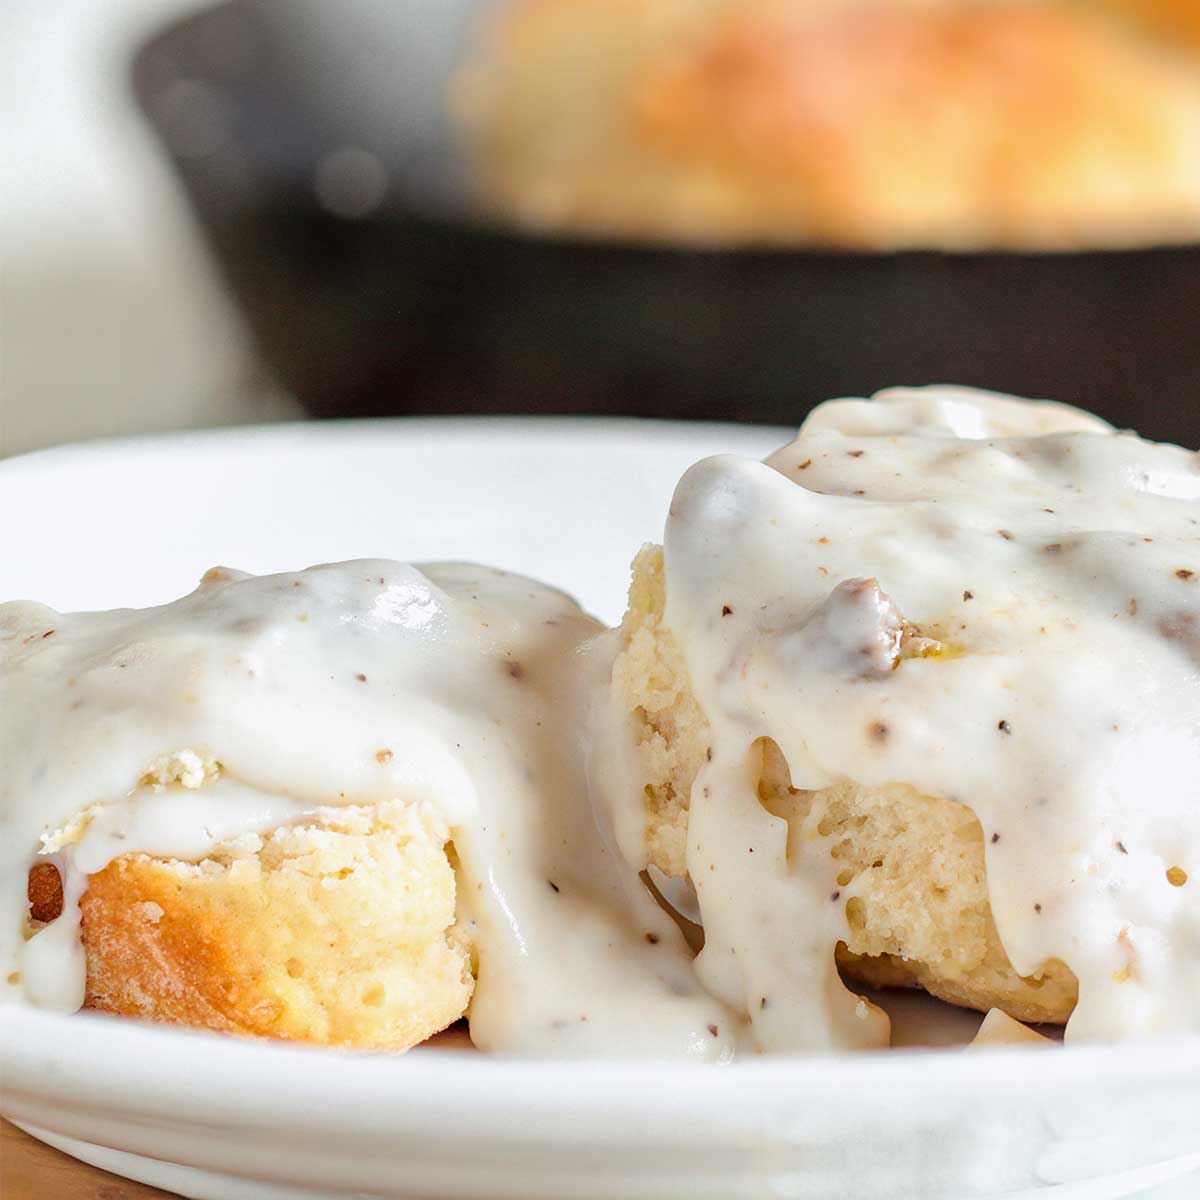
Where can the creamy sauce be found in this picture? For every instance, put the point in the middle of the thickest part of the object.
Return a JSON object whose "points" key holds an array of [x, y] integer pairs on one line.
{"points": [[987, 599], [993, 601], [478, 682]]}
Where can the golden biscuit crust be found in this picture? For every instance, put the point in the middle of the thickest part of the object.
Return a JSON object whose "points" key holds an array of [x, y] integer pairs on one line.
{"points": [[1177, 19], [338, 932], [912, 872]]}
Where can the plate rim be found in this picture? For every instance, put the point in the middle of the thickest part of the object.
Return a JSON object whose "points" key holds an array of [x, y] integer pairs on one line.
{"points": [[34, 1044], [346, 429]]}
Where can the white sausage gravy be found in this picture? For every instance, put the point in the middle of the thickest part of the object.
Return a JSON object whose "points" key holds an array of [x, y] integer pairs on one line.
{"points": [[1052, 562], [988, 599], [475, 680]]}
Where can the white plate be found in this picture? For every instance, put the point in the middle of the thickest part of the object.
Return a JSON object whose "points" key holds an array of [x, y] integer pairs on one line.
{"points": [[138, 522]]}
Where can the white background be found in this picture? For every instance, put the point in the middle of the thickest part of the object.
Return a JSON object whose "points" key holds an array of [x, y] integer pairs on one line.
{"points": [[111, 318]]}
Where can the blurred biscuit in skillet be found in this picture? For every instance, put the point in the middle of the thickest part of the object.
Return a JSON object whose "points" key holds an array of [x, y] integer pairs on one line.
{"points": [[854, 123]]}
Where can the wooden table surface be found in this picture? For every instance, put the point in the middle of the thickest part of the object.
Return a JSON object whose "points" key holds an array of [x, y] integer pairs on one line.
{"points": [[30, 1170]]}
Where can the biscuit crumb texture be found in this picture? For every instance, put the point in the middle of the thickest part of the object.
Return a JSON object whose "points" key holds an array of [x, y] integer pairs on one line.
{"points": [[339, 931], [190, 769], [912, 877]]}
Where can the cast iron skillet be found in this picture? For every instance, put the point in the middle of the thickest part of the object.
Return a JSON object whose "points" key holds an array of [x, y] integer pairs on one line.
{"points": [[418, 307]]}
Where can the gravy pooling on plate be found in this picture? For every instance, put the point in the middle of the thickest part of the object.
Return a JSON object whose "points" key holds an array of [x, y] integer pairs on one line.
{"points": [[456, 686], [992, 601]]}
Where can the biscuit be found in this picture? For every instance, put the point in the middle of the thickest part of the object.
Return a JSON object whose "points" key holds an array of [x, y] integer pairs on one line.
{"points": [[339, 931], [870, 125], [912, 866]]}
